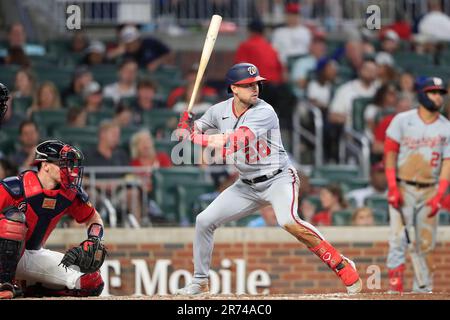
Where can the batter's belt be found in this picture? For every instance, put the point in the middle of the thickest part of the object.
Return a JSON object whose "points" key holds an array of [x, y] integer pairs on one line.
{"points": [[417, 184], [261, 178]]}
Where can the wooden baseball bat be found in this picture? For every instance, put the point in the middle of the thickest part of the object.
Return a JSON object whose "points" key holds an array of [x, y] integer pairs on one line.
{"points": [[415, 260], [208, 46]]}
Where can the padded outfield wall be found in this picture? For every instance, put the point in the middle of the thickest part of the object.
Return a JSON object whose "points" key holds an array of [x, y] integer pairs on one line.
{"points": [[245, 260]]}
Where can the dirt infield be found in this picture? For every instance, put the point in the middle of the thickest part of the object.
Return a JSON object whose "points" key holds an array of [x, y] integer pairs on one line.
{"points": [[330, 296]]}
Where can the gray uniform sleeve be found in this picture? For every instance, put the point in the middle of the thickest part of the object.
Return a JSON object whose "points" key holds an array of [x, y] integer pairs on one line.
{"points": [[446, 149], [260, 121], [207, 121], [394, 131]]}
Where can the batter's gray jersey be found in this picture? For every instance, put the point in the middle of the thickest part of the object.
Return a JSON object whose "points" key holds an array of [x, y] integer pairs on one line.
{"points": [[266, 153], [422, 146]]}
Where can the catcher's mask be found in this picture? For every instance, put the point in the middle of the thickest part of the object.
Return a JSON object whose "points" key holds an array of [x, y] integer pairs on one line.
{"points": [[428, 84], [4, 96], [68, 158]]}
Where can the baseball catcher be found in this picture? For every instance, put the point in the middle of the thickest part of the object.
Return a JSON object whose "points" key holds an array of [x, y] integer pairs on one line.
{"points": [[31, 205]]}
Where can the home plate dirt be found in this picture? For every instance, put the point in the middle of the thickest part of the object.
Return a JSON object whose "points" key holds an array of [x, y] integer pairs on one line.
{"points": [[328, 296]]}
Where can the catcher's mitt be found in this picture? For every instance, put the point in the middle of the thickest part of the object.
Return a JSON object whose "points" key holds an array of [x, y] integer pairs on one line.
{"points": [[88, 256]]}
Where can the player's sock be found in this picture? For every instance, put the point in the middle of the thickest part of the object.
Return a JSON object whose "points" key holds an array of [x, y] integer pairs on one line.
{"points": [[396, 278]]}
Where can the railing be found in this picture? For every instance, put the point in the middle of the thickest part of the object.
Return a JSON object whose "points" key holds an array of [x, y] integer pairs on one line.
{"points": [[301, 132], [123, 189], [358, 146], [333, 14]]}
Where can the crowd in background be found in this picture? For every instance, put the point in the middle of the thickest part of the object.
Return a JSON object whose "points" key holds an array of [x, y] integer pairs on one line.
{"points": [[299, 61]]}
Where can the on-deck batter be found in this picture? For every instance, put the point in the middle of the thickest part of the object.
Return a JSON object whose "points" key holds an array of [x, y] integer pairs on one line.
{"points": [[245, 129], [417, 155]]}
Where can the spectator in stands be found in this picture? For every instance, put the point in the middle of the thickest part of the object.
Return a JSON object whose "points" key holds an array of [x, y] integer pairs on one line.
{"points": [[46, 98], [304, 66], [78, 43], [107, 152], [146, 95], [404, 103], [406, 84], [294, 39], [258, 51], [384, 102], [401, 26], [126, 84], [24, 84], [377, 187], [179, 93], [363, 217], [340, 110], [76, 117], [7, 169], [200, 104], [95, 54], [17, 56], [148, 52], [386, 71], [354, 54], [435, 25], [28, 140], [320, 89], [143, 152], [17, 38], [93, 97], [390, 42], [12, 118], [123, 116], [81, 78], [332, 200]]}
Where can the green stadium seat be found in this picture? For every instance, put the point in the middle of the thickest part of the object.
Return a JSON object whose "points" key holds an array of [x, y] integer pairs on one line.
{"points": [[74, 100], [381, 217], [83, 138], [318, 182], [409, 60], [165, 182], [357, 183], [165, 145], [7, 144], [315, 201], [342, 217], [380, 207], [105, 74], [49, 120], [95, 118], [337, 173], [444, 218], [161, 120], [187, 196], [358, 107], [20, 105], [61, 77], [8, 74]]}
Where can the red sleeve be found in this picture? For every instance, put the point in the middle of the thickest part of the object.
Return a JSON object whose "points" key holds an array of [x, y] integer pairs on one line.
{"points": [[391, 145], [81, 211], [5, 198], [164, 160], [174, 95], [380, 130]]}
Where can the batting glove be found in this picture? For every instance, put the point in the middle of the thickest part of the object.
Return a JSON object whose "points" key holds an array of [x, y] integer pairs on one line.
{"points": [[435, 202], [395, 198]]}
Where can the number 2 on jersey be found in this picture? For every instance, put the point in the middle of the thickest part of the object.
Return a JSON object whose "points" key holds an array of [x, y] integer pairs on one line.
{"points": [[262, 151], [435, 156]]}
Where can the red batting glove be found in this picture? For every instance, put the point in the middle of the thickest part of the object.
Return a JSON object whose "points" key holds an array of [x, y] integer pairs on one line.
{"points": [[435, 202], [395, 198], [184, 127]]}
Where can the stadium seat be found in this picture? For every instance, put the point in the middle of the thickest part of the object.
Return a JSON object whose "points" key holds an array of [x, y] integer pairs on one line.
{"points": [[165, 182], [20, 105], [7, 145], [318, 182], [164, 145], [95, 118], [380, 216], [49, 120], [8, 74], [444, 218], [83, 138], [187, 196], [105, 74], [337, 173], [60, 77], [357, 183], [342, 217], [161, 120], [380, 207], [74, 100], [315, 200], [358, 107]]}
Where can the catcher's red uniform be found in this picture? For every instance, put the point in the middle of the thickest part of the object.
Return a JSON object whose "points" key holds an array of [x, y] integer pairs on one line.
{"points": [[43, 208]]}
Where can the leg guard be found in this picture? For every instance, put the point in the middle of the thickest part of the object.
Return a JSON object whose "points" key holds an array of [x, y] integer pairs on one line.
{"points": [[12, 238], [89, 284]]}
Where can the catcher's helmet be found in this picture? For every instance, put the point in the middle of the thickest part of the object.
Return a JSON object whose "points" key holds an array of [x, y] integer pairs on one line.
{"points": [[67, 157], [242, 73], [425, 85], [4, 96]]}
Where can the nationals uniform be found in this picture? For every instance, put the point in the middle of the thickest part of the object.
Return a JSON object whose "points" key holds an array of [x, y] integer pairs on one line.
{"points": [[422, 148], [266, 176]]}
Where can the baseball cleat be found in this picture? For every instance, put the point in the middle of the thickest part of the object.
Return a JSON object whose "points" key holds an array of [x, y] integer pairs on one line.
{"points": [[346, 270], [9, 291], [193, 289]]}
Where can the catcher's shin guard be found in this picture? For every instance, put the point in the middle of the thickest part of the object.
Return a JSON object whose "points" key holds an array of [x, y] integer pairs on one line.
{"points": [[90, 284], [12, 239]]}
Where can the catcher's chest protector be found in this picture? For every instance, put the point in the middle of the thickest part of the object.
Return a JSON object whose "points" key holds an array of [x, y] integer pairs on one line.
{"points": [[43, 210]]}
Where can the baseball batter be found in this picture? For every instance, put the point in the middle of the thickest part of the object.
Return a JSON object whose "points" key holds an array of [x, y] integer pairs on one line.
{"points": [[417, 155], [246, 130]]}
